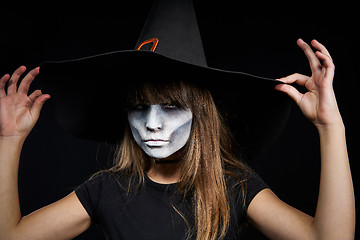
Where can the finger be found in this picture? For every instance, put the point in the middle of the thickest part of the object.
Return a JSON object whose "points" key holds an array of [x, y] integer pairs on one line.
{"points": [[38, 104], [296, 77], [315, 64], [25, 83], [327, 61], [12, 85], [3, 81], [320, 47], [35, 95], [290, 91], [327, 64]]}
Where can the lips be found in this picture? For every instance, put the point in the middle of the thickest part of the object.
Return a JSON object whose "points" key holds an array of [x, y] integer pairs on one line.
{"points": [[155, 142]]}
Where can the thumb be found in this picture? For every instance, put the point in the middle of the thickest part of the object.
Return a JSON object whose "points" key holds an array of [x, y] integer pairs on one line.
{"points": [[290, 91], [38, 104]]}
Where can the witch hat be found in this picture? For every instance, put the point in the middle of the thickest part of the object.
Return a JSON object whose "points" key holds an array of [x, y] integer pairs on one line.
{"points": [[88, 93]]}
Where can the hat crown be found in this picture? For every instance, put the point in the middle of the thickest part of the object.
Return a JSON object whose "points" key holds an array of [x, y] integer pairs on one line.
{"points": [[171, 30]]}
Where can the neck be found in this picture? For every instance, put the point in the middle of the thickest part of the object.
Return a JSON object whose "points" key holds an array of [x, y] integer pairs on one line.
{"points": [[164, 171]]}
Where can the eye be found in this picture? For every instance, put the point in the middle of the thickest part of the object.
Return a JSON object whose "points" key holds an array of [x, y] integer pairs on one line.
{"points": [[170, 106], [139, 107]]}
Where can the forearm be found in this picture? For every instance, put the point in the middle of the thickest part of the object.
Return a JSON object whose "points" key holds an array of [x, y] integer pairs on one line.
{"points": [[335, 212], [10, 149]]}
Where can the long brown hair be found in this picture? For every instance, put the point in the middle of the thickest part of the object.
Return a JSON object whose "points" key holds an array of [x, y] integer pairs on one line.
{"points": [[209, 157]]}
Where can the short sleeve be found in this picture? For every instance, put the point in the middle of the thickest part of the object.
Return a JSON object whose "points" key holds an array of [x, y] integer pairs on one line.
{"points": [[88, 194], [254, 185]]}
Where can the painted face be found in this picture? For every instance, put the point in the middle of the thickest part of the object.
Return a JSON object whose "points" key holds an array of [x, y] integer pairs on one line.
{"points": [[160, 130]]}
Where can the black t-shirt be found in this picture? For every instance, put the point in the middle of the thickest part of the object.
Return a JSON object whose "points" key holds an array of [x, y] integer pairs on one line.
{"points": [[148, 213]]}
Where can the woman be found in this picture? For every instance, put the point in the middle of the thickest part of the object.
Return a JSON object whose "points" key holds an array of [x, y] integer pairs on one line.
{"points": [[202, 195]]}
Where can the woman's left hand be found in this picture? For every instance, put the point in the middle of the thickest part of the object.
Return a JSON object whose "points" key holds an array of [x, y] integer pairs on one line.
{"points": [[318, 104]]}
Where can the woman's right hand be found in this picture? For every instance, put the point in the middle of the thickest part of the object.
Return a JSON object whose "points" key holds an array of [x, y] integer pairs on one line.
{"points": [[64, 219], [18, 111]]}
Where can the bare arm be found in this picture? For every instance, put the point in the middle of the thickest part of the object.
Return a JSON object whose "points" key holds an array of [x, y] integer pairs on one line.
{"points": [[335, 212], [18, 114]]}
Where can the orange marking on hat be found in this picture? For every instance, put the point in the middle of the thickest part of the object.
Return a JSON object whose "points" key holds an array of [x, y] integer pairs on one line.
{"points": [[154, 41]]}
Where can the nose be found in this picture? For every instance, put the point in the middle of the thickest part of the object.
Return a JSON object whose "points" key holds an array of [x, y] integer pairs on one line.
{"points": [[153, 121]]}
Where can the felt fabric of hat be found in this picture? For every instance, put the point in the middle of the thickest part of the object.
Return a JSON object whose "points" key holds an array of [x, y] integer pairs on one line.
{"points": [[88, 93]]}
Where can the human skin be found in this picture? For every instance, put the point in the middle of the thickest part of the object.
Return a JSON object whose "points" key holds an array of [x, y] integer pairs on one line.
{"points": [[161, 129], [335, 211], [66, 218]]}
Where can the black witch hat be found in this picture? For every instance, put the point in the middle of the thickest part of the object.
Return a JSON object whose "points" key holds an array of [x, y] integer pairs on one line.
{"points": [[88, 93]]}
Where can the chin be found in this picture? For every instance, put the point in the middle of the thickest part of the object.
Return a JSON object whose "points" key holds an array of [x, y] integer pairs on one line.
{"points": [[158, 154], [163, 153]]}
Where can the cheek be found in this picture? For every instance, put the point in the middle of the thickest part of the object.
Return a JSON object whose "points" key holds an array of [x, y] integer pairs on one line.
{"points": [[135, 125], [135, 120], [135, 133], [181, 134], [177, 122]]}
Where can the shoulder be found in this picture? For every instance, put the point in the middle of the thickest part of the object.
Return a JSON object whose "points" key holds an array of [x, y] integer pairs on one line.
{"points": [[255, 184], [246, 185], [101, 188], [101, 185]]}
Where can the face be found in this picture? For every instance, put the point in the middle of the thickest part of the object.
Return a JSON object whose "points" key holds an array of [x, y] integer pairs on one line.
{"points": [[160, 130]]}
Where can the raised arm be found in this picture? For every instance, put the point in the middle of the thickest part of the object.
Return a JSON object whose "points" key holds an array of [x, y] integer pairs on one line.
{"points": [[18, 114], [335, 212]]}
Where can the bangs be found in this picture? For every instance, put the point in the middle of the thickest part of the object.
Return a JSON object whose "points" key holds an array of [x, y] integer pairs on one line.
{"points": [[156, 93]]}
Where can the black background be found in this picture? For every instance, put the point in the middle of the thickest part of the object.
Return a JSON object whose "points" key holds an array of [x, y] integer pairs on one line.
{"points": [[252, 37]]}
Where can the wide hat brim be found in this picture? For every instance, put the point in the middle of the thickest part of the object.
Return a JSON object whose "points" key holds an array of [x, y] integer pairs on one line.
{"points": [[89, 95]]}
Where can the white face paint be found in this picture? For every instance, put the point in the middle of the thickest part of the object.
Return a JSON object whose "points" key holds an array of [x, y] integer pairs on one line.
{"points": [[160, 130]]}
